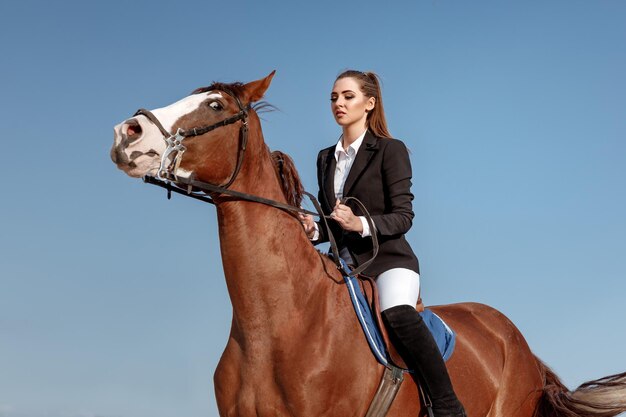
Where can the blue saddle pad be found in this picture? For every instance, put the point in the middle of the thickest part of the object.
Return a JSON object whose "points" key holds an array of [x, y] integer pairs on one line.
{"points": [[443, 334]]}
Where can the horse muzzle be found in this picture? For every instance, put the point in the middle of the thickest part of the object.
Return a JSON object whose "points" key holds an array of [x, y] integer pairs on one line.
{"points": [[137, 147]]}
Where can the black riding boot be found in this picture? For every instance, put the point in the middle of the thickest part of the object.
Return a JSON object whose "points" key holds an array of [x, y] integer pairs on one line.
{"points": [[416, 345]]}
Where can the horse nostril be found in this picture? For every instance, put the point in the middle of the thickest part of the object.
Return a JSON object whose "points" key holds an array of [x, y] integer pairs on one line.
{"points": [[133, 130], [118, 156]]}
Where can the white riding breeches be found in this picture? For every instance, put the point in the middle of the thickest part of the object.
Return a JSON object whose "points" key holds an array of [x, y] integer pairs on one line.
{"points": [[398, 286]]}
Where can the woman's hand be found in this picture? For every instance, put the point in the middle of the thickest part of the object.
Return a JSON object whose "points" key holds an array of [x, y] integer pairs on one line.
{"points": [[308, 223], [343, 215]]}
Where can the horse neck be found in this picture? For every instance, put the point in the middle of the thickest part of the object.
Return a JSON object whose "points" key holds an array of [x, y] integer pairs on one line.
{"points": [[262, 246]]}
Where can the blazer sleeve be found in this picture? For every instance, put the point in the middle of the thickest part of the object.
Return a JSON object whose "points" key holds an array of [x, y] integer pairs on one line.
{"points": [[396, 172], [323, 235]]}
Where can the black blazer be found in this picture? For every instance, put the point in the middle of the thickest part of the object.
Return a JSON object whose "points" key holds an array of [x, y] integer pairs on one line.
{"points": [[380, 178]]}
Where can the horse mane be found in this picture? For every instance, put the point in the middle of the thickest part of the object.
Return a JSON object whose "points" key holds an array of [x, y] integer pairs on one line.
{"points": [[235, 89], [263, 107], [288, 178]]}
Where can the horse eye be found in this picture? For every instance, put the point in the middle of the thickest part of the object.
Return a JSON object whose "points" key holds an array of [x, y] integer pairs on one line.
{"points": [[216, 105]]}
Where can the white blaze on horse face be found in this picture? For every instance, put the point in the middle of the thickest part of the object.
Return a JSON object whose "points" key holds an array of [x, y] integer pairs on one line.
{"points": [[170, 114], [139, 154]]}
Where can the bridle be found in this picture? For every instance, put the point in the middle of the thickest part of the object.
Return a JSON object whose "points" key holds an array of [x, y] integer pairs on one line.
{"points": [[166, 175], [175, 145]]}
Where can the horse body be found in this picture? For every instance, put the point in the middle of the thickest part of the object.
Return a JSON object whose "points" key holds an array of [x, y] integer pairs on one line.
{"points": [[295, 346]]}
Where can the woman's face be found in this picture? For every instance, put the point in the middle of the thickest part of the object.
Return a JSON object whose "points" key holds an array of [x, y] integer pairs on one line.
{"points": [[348, 103]]}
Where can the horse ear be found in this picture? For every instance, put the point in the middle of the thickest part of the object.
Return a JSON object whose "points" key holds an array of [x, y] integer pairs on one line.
{"points": [[254, 90]]}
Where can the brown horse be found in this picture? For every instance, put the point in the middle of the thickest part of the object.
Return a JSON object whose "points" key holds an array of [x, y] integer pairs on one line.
{"points": [[295, 346]]}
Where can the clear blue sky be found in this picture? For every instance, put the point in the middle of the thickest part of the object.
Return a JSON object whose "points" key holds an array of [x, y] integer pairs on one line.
{"points": [[515, 113]]}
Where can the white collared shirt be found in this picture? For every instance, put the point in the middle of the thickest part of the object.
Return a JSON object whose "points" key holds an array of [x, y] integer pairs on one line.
{"points": [[345, 158]]}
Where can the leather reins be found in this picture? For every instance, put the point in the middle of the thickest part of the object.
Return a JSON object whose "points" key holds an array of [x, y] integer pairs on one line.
{"points": [[166, 176], [173, 185]]}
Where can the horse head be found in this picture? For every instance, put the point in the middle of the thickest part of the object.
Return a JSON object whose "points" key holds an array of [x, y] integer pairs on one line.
{"points": [[195, 136]]}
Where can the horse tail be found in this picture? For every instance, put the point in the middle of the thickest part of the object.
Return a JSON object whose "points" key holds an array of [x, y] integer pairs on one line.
{"points": [[604, 397]]}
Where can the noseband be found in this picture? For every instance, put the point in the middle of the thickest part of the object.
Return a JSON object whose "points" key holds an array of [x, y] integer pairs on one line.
{"points": [[175, 146]]}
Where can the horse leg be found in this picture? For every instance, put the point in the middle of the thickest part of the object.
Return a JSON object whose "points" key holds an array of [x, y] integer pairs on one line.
{"points": [[492, 369], [518, 377], [520, 381], [227, 380]]}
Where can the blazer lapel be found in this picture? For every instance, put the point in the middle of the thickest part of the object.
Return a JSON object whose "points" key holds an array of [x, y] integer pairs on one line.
{"points": [[368, 148], [328, 179]]}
